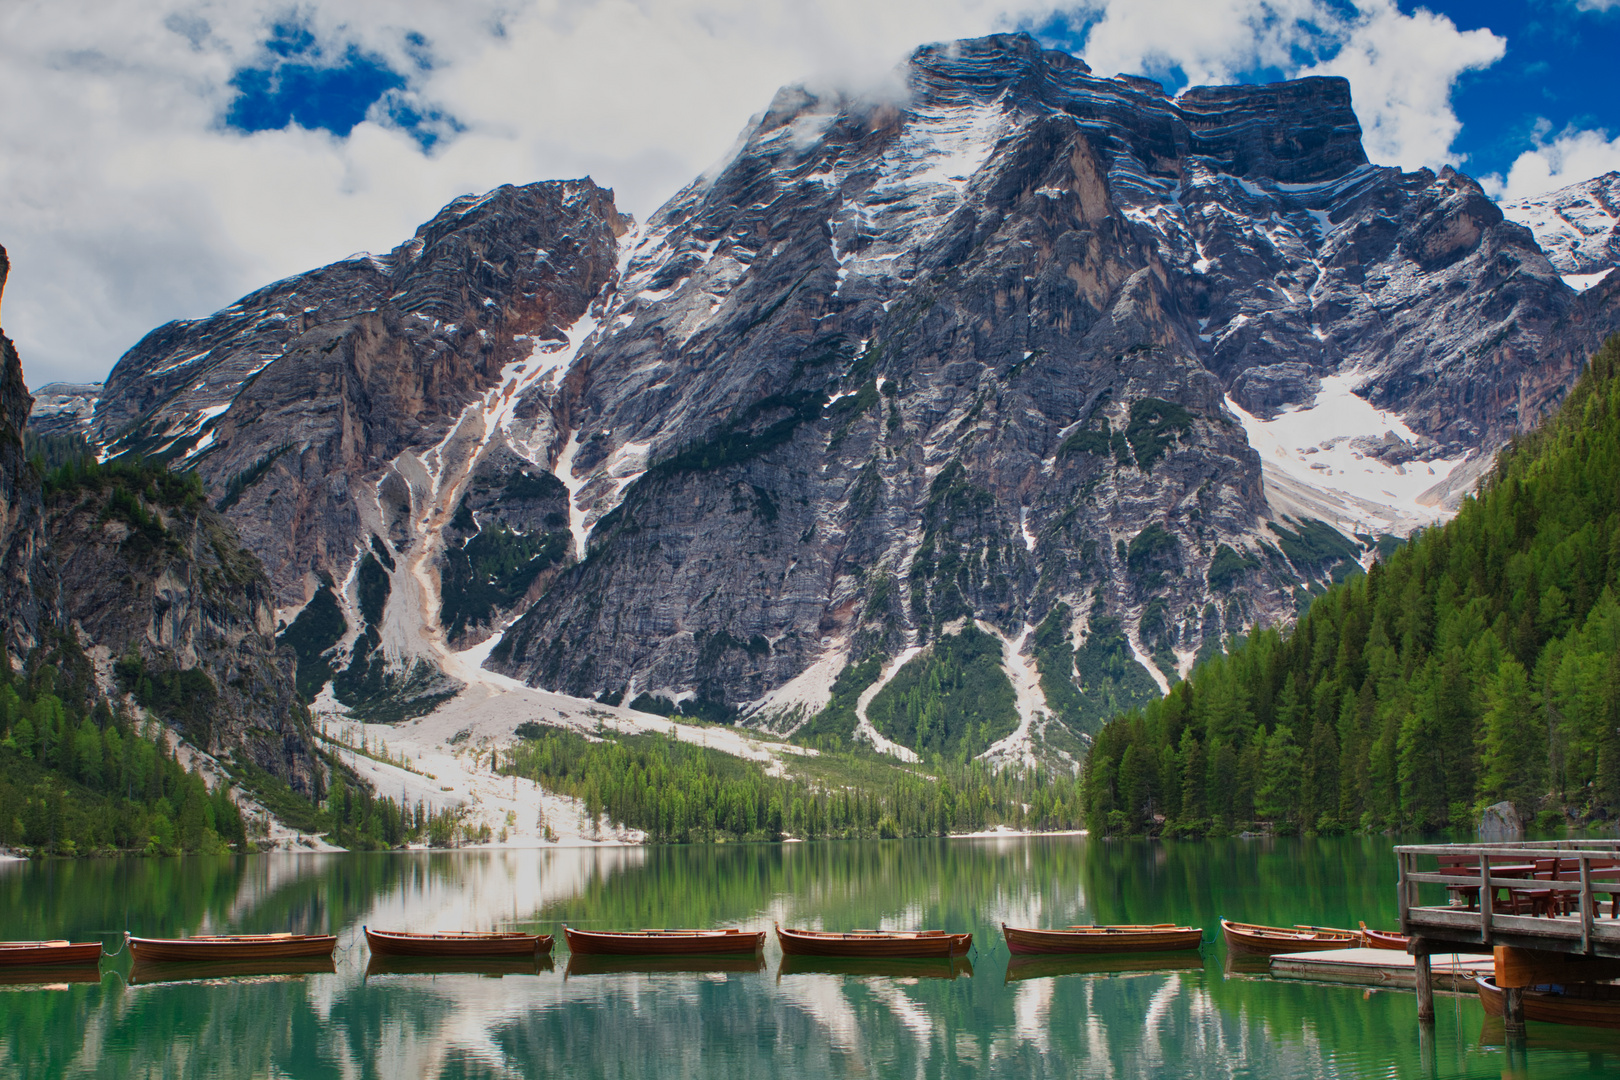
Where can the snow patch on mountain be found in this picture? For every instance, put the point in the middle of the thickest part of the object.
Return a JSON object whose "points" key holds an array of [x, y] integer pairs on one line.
{"points": [[1321, 450], [1575, 226]]}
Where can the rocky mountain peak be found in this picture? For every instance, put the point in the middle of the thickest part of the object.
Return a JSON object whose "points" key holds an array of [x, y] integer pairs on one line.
{"points": [[996, 352], [1576, 226]]}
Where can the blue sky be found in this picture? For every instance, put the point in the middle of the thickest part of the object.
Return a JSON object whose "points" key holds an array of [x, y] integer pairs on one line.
{"points": [[166, 156]]}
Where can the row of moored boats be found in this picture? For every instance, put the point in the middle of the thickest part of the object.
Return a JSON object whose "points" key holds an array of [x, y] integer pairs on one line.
{"points": [[856, 944]]}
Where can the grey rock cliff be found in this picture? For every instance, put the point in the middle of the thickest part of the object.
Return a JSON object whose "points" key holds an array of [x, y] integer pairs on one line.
{"points": [[27, 580]]}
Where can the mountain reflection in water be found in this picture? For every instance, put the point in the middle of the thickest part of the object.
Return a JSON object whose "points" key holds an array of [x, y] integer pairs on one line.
{"points": [[989, 1014]]}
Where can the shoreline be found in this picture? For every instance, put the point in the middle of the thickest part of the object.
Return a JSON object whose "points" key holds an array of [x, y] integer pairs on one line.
{"points": [[572, 843]]}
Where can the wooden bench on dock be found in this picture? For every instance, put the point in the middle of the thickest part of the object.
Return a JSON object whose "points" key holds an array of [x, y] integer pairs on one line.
{"points": [[1542, 897]]}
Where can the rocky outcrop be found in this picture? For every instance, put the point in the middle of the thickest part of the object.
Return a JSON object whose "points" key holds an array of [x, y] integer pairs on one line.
{"points": [[338, 416], [131, 563], [27, 583], [155, 578], [64, 410]]}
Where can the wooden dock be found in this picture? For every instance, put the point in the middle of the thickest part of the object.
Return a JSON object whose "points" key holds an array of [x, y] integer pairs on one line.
{"points": [[1548, 910], [1454, 972]]}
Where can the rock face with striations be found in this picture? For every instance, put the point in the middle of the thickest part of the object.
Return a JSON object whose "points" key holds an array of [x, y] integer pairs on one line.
{"points": [[1577, 226], [968, 356], [893, 366], [27, 583], [136, 566], [338, 417]]}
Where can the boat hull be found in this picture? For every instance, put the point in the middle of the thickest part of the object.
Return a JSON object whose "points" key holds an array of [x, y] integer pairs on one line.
{"points": [[1274, 940], [664, 942], [48, 953], [875, 945], [232, 947], [390, 943], [1090, 940], [1550, 1008]]}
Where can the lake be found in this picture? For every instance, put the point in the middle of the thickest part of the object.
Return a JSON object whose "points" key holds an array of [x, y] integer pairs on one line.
{"points": [[1186, 1015]]}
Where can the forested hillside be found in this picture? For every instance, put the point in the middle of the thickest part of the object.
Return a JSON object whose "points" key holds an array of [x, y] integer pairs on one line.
{"points": [[1481, 662]]}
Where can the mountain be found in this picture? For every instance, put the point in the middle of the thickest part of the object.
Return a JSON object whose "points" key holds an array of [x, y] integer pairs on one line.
{"points": [[960, 388], [1575, 226], [120, 579], [1480, 663]]}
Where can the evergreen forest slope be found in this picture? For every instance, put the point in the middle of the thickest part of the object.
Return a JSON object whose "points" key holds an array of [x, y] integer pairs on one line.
{"points": [[1480, 662]]}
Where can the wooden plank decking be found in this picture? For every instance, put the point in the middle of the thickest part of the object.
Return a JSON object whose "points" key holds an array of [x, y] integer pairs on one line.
{"points": [[1590, 883], [1563, 883], [1454, 972]]}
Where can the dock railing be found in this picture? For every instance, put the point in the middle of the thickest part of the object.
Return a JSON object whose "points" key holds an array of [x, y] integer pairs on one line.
{"points": [[1478, 873]]}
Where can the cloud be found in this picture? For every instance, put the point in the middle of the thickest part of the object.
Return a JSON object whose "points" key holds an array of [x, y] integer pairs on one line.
{"points": [[1567, 158], [163, 157], [1402, 69], [139, 183]]}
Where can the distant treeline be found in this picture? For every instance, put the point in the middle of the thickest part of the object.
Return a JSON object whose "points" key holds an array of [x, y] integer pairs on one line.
{"points": [[680, 793], [1481, 662]]}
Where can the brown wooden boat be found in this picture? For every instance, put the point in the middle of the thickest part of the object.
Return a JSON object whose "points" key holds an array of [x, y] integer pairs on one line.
{"points": [[874, 944], [1584, 1004], [664, 942], [1271, 940], [1384, 939], [455, 943], [38, 953], [1158, 937], [231, 947]]}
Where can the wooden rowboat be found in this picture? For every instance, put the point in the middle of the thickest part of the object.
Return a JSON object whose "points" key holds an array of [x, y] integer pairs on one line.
{"points": [[455, 943], [231, 947], [1271, 940], [874, 944], [1585, 1004], [1159, 937], [1384, 939], [37, 953], [664, 942]]}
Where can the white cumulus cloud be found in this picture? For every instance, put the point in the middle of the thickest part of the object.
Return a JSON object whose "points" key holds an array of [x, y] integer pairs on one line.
{"points": [[1567, 158]]}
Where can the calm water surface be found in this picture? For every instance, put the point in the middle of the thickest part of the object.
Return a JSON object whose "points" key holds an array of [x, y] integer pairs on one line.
{"points": [[1184, 1016]]}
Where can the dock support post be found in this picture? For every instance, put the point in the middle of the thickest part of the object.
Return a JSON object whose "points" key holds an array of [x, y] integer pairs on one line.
{"points": [[1425, 987], [1513, 1009]]}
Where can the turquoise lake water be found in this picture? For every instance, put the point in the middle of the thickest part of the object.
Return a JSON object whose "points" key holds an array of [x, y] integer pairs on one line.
{"points": [[1187, 1015]]}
